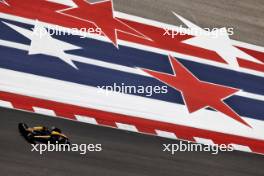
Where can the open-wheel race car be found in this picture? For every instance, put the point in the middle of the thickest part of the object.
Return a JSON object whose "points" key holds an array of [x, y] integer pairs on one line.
{"points": [[42, 134]]}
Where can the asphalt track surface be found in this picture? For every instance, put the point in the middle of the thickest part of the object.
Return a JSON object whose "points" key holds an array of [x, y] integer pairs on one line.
{"points": [[124, 153], [132, 154]]}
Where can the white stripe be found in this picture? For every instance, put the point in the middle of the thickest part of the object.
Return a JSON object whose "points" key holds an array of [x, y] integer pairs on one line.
{"points": [[248, 45], [44, 111], [6, 104], [250, 95], [166, 134], [87, 96], [241, 148], [204, 141], [141, 47], [108, 65], [126, 127], [86, 119], [117, 67], [14, 45]]}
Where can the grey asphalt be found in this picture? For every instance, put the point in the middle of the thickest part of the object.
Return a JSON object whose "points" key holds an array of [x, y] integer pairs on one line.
{"points": [[246, 17], [124, 153]]}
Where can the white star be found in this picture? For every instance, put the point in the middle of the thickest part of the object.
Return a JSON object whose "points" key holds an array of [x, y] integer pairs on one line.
{"points": [[43, 43], [218, 41], [4, 2]]}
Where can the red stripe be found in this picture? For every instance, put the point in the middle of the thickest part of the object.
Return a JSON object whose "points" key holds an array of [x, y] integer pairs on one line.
{"points": [[257, 54], [252, 65], [143, 125]]}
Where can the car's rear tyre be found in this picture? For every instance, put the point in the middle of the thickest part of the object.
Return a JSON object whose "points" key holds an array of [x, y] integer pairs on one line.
{"points": [[22, 127]]}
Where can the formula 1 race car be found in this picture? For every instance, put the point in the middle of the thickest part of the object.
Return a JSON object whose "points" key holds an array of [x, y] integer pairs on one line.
{"points": [[42, 134]]}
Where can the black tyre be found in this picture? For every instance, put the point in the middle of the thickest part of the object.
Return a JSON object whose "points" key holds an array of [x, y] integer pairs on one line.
{"points": [[22, 127], [30, 138]]}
